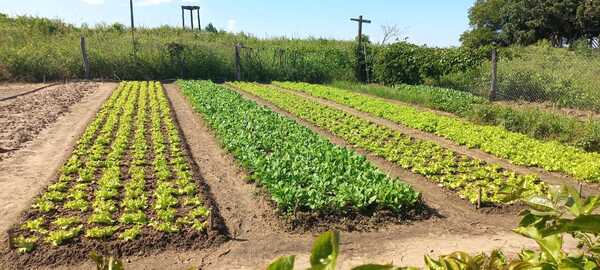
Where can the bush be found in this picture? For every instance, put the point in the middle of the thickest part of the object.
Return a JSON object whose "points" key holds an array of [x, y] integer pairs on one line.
{"points": [[4, 74], [398, 64], [411, 64]]}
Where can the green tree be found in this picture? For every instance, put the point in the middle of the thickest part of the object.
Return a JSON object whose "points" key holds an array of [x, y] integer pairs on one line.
{"points": [[211, 28], [486, 20], [588, 18], [526, 22]]}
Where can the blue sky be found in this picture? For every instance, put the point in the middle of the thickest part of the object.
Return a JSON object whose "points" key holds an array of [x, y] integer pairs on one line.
{"points": [[432, 22]]}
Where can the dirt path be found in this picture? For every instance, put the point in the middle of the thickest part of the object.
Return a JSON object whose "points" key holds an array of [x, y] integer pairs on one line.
{"points": [[31, 169], [258, 236], [548, 177]]}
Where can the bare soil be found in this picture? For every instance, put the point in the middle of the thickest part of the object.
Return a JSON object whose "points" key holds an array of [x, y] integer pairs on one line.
{"points": [[548, 177], [11, 89], [24, 117]]}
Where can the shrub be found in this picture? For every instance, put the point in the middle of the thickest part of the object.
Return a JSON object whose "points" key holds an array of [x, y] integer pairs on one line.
{"points": [[411, 64]]}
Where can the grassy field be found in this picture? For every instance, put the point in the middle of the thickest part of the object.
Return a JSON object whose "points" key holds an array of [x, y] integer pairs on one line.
{"points": [[37, 49]]}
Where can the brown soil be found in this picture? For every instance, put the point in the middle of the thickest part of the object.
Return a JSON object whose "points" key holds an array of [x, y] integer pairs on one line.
{"points": [[26, 172], [24, 117], [11, 89], [548, 177]]}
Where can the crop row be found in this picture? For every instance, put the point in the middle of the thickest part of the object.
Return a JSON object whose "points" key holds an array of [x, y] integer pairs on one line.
{"points": [[103, 191], [517, 148], [456, 172], [300, 170]]}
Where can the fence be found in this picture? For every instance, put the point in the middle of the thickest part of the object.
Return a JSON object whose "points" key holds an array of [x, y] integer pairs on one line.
{"points": [[559, 77]]}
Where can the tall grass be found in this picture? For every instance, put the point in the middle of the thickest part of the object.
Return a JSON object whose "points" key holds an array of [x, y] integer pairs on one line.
{"points": [[34, 49], [540, 73]]}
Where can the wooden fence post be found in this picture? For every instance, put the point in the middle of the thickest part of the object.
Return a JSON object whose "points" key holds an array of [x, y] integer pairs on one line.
{"points": [[238, 65], [86, 62], [494, 83]]}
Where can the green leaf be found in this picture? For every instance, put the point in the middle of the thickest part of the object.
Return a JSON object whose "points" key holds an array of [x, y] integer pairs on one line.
{"points": [[584, 224], [551, 245], [325, 251], [283, 263]]}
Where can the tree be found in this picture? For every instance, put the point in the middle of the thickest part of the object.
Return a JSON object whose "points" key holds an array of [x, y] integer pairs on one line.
{"points": [[588, 18], [392, 33], [486, 19], [527, 21], [211, 28]]}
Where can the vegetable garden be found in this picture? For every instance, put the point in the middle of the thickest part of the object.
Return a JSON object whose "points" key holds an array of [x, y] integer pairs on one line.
{"points": [[133, 186], [127, 186]]}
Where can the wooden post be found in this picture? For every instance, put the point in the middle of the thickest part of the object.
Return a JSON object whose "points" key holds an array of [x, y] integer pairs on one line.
{"points": [[494, 83], [183, 17], [86, 62], [192, 18], [132, 26], [238, 65], [199, 25], [479, 198], [359, 68], [366, 63]]}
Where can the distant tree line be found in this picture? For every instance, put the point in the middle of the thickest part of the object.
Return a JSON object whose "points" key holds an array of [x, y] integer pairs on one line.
{"points": [[524, 22]]}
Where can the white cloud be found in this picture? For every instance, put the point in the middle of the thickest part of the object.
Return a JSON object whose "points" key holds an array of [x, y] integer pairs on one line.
{"points": [[231, 25], [93, 2]]}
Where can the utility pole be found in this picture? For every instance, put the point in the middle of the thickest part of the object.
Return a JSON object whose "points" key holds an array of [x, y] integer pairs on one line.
{"points": [[361, 66], [132, 26], [360, 21]]}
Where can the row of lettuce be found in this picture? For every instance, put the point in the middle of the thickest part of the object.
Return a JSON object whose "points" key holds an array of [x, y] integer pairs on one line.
{"points": [[299, 169], [533, 121], [514, 147], [471, 179], [117, 185]]}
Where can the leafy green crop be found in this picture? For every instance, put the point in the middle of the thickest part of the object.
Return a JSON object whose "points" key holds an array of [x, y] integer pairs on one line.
{"points": [[300, 170], [106, 179], [517, 148], [452, 170]]}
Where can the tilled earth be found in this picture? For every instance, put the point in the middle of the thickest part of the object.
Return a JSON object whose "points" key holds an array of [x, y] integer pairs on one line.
{"points": [[24, 117]]}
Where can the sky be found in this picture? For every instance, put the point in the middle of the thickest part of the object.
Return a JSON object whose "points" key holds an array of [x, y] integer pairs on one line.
{"points": [[432, 22]]}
